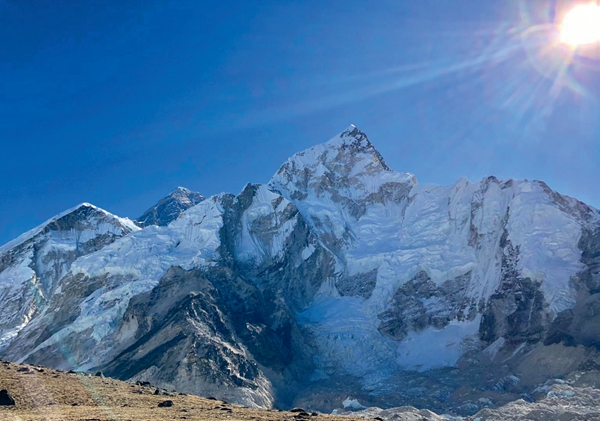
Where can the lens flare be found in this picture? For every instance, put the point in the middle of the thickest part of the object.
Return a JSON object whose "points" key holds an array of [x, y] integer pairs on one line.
{"points": [[581, 25]]}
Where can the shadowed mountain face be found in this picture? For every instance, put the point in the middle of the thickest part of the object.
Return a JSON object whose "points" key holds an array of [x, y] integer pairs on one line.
{"points": [[170, 208], [340, 277]]}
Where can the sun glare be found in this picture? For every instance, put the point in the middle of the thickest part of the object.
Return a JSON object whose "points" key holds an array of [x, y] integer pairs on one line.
{"points": [[581, 25]]}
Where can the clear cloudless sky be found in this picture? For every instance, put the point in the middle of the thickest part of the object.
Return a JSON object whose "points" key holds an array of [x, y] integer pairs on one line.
{"points": [[118, 102]]}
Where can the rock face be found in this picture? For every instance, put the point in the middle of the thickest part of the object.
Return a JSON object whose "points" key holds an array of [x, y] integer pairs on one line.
{"points": [[339, 277], [411, 308], [169, 208]]}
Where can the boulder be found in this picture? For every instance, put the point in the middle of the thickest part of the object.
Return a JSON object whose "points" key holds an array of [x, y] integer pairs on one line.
{"points": [[165, 404], [5, 398]]}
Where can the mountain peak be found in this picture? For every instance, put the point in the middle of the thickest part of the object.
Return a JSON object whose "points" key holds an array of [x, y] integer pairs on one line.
{"points": [[170, 207], [76, 217], [348, 164], [180, 190], [355, 139]]}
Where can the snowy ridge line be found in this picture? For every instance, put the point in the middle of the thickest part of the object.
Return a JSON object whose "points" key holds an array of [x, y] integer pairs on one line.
{"points": [[33, 232]]}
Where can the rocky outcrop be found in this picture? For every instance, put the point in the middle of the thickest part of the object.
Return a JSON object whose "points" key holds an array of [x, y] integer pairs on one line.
{"points": [[517, 311], [579, 325], [420, 303], [185, 336], [6, 399]]}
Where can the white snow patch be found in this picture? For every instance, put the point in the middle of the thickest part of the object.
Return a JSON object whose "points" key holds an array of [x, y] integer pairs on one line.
{"points": [[431, 348], [494, 347], [308, 251], [352, 404]]}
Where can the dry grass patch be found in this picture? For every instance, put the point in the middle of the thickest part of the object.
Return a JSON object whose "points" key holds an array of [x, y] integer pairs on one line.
{"points": [[52, 395]]}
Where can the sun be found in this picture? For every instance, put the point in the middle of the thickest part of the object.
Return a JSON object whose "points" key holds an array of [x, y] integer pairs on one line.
{"points": [[581, 25]]}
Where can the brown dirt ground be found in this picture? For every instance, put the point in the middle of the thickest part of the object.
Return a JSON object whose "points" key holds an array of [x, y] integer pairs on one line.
{"points": [[51, 395]]}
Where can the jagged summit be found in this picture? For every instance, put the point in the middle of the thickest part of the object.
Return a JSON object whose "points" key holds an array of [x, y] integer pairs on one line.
{"points": [[170, 207], [354, 139], [349, 147], [347, 166]]}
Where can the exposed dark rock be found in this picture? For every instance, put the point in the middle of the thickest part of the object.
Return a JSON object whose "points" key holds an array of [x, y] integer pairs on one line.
{"points": [[589, 243], [165, 404], [5, 398], [412, 306], [585, 326], [517, 311], [579, 325], [361, 284], [589, 365], [175, 314], [559, 331]]}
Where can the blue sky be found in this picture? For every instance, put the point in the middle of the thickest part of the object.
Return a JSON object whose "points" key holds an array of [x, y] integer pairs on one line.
{"points": [[118, 102]]}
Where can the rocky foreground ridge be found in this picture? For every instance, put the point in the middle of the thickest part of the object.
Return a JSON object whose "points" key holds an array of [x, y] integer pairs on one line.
{"points": [[36, 393], [340, 277], [41, 393]]}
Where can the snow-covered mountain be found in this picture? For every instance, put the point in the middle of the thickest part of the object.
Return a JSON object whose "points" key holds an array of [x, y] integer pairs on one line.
{"points": [[339, 277], [33, 265], [170, 208]]}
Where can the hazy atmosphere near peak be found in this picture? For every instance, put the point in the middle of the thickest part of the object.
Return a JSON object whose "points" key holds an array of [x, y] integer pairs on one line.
{"points": [[118, 103]]}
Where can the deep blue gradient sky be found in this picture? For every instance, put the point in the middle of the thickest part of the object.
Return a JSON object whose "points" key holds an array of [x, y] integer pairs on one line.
{"points": [[118, 102]]}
